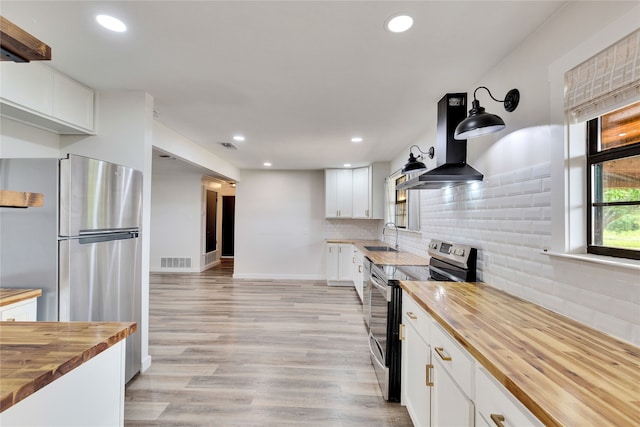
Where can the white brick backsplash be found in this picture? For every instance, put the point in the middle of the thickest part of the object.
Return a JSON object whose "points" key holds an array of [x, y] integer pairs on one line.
{"points": [[508, 218], [364, 229]]}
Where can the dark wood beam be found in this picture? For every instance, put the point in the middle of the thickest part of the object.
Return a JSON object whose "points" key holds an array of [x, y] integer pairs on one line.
{"points": [[19, 46]]}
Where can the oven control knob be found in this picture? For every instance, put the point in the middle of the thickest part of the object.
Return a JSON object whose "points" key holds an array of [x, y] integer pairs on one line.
{"points": [[461, 252]]}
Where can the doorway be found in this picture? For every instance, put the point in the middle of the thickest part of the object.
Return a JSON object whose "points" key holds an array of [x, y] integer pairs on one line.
{"points": [[228, 225]]}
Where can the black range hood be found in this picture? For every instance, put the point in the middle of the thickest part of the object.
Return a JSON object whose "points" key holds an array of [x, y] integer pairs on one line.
{"points": [[451, 154]]}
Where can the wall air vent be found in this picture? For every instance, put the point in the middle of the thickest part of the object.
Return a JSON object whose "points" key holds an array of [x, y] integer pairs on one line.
{"points": [[175, 262], [228, 145]]}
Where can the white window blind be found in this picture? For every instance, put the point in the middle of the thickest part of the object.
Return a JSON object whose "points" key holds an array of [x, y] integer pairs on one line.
{"points": [[607, 80]]}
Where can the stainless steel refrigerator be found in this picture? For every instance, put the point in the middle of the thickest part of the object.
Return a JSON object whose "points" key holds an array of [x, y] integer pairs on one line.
{"points": [[82, 248]]}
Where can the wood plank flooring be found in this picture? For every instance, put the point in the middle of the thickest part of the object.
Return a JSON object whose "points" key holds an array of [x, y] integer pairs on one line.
{"points": [[256, 353]]}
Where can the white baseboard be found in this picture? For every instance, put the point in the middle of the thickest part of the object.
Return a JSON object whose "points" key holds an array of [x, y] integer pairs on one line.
{"points": [[146, 364]]}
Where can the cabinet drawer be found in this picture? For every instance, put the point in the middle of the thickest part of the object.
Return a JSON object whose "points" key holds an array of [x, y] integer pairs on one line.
{"points": [[493, 399], [20, 311], [455, 359], [415, 315]]}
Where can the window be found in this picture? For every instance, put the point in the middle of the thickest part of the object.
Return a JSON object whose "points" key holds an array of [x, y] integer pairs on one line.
{"points": [[613, 183], [401, 204]]}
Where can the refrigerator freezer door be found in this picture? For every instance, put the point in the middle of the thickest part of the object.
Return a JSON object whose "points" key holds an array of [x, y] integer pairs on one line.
{"points": [[100, 281], [96, 195]]}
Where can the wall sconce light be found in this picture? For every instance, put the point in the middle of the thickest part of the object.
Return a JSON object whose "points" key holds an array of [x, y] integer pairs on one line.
{"points": [[479, 122], [414, 165]]}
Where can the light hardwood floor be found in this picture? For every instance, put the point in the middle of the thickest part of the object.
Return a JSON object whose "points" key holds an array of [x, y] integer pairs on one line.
{"points": [[256, 353]]}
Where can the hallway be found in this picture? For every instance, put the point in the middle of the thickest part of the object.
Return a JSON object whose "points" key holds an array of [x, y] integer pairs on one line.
{"points": [[256, 353]]}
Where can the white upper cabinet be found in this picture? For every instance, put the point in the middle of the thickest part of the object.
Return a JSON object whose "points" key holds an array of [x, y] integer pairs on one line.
{"points": [[362, 192], [72, 102], [338, 193], [38, 95], [27, 85], [356, 193]]}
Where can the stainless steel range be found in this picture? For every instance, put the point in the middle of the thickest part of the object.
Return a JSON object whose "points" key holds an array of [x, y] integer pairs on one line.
{"points": [[448, 262]]}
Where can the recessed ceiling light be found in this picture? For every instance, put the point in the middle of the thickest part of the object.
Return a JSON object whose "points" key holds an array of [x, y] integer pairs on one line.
{"points": [[238, 138], [399, 23], [111, 23], [356, 139], [347, 165], [267, 164]]}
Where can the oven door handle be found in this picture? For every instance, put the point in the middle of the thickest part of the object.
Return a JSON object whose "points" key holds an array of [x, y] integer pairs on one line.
{"points": [[383, 288], [445, 274], [375, 353]]}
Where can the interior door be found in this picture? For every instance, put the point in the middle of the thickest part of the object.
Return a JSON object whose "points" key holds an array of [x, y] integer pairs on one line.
{"points": [[228, 225]]}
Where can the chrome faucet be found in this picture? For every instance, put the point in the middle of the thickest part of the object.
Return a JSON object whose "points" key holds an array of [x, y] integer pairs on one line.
{"points": [[396, 227]]}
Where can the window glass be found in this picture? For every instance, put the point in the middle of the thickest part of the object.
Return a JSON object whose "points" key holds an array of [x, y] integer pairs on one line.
{"points": [[614, 183], [621, 127], [401, 204]]}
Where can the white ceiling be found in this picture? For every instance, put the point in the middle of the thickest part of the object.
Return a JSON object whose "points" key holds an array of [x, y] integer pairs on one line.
{"points": [[297, 78]]}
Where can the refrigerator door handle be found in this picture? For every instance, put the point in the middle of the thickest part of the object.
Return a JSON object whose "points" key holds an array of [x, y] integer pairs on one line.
{"points": [[106, 237]]}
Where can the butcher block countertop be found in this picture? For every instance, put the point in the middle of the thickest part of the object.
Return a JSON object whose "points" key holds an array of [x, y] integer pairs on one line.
{"points": [[565, 373], [34, 354], [384, 258], [12, 296]]}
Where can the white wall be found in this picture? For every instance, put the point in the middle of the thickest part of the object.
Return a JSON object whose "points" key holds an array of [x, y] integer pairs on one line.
{"points": [[21, 140], [510, 215], [172, 142], [175, 219], [279, 225]]}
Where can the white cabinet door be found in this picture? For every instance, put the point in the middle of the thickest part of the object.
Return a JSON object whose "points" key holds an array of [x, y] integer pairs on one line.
{"points": [[340, 263], [338, 193], [345, 265], [358, 272], [416, 369], [451, 407], [72, 102], [362, 192], [29, 86], [333, 252]]}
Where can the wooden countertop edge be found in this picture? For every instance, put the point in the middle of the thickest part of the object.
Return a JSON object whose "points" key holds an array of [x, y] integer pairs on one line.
{"points": [[19, 296], [35, 384], [544, 415]]}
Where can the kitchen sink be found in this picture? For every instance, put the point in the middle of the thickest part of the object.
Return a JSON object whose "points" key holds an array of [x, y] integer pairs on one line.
{"points": [[380, 249]]}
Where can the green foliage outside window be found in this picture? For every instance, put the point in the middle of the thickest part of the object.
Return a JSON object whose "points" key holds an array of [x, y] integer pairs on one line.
{"points": [[622, 223]]}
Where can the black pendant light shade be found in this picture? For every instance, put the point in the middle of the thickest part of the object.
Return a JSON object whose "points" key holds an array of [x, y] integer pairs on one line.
{"points": [[480, 122], [414, 165]]}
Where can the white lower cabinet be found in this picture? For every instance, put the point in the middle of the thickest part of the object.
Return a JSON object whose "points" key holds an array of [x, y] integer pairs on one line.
{"points": [[450, 406], [443, 385], [26, 310], [340, 264], [358, 272], [90, 395], [416, 371], [496, 406]]}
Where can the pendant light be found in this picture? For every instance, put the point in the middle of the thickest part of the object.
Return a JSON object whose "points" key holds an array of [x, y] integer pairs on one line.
{"points": [[413, 164], [479, 122]]}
